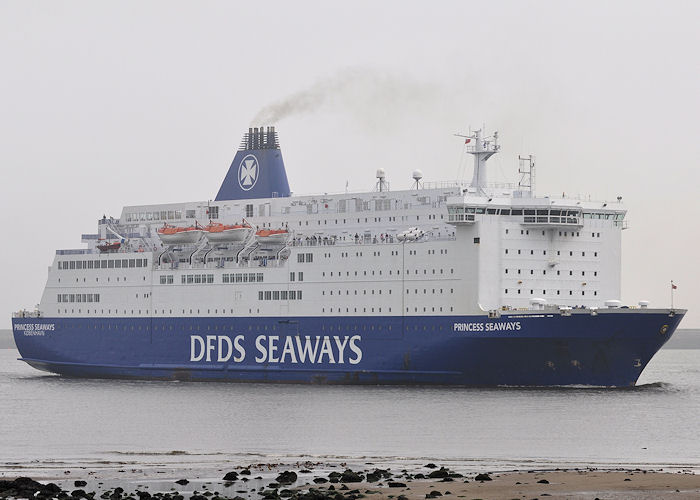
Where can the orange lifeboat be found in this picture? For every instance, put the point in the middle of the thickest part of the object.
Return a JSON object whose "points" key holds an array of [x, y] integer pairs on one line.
{"points": [[227, 233], [277, 236], [109, 247], [174, 234]]}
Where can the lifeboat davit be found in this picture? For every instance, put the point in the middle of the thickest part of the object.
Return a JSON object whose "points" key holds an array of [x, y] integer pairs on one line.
{"points": [[173, 234], [274, 236], [227, 233]]}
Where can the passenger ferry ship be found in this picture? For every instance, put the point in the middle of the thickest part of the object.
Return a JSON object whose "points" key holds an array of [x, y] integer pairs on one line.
{"points": [[453, 283]]}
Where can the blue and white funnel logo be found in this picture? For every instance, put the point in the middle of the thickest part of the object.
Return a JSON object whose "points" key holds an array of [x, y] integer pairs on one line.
{"points": [[248, 172]]}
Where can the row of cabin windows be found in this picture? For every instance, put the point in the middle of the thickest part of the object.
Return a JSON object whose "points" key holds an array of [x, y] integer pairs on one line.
{"points": [[102, 264], [242, 278], [427, 309], [521, 251], [544, 272], [544, 292], [526, 232], [355, 309], [197, 278], [391, 272], [376, 219], [280, 295], [296, 276], [78, 297], [347, 292]]}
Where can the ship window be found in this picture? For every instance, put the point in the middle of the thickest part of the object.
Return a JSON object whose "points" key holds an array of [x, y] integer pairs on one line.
{"points": [[197, 278], [276, 295], [162, 280], [225, 278], [79, 264], [103, 264], [110, 263], [118, 263], [132, 263], [300, 257], [72, 264], [210, 278], [252, 277], [292, 294], [301, 276], [268, 295], [506, 290], [190, 278], [260, 295], [309, 257], [291, 276]]}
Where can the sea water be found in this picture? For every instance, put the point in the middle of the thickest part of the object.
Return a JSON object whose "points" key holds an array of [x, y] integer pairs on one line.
{"points": [[47, 421]]}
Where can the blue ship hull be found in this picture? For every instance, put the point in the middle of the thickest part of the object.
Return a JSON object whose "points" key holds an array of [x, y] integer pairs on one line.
{"points": [[607, 348]]}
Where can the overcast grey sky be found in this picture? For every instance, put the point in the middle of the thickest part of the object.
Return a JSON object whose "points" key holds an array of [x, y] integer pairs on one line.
{"points": [[112, 104]]}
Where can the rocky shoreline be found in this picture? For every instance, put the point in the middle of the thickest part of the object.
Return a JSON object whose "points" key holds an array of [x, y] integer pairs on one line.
{"points": [[312, 481]]}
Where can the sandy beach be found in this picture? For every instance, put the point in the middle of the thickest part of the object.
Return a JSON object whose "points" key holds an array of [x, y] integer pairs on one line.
{"points": [[316, 481]]}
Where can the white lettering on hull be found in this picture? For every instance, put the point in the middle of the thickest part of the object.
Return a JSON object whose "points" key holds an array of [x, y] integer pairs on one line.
{"points": [[269, 349]]}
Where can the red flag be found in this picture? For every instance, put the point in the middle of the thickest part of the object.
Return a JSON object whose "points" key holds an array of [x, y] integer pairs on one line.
{"points": [[467, 141], [673, 287]]}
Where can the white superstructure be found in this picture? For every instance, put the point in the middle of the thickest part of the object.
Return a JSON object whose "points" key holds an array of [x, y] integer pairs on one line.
{"points": [[473, 248]]}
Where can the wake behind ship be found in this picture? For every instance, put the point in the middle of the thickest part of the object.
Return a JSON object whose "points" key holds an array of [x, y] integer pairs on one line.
{"points": [[445, 283]]}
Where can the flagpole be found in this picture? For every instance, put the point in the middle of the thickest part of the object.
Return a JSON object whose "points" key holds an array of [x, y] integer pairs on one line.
{"points": [[671, 294]]}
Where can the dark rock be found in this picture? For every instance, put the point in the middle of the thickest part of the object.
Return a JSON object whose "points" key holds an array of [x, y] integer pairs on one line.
{"points": [[419, 476], [230, 476], [80, 484], [143, 495], [543, 481], [344, 487], [273, 485], [627, 479], [372, 477], [118, 490], [396, 484], [78, 494], [287, 477], [350, 476], [433, 494], [286, 493], [482, 477], [446, 479], [439, 474], [182, 482], [198, 497], [245, 472], [320, 480], [455, 474], [334, 474], [402, 497], [431, 466]]}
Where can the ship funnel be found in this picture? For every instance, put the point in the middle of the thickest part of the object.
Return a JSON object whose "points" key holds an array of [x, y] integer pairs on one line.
{"points": [[257, 170]]}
